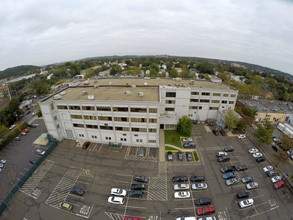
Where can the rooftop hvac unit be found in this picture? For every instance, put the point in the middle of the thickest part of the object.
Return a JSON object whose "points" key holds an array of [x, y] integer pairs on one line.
{"points": [[145, 84], [57, 97], [84, 92], [63, 93], [96, 87], [86, 83], [127, 93], [110, 83], [147, 77], [91, 97], [140, 94], [191, 82], [133, 86], [169, 84]]}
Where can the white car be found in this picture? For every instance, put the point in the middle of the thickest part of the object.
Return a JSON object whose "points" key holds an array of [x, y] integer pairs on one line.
{"points": [[3, 161], [221, 153], [267, 168], [199, 186], [241, 136], [40, 152], [118, 192], [181, 186], [116, 200], [207, 218], [253, 150], [186, 218], [182, 195], [256, 155], [252, 185], [1, 165], [276, 179], [246, 203], [187, 139]]}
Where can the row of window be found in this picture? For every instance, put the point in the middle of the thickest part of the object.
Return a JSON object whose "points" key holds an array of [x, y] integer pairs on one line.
{"points": [[105, 127], [105, 108], [121, 139], [108, 118], [213, 94], [212, 101]]}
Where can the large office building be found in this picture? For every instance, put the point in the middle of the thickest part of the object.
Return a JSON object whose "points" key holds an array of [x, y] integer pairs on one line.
{"points": [[131, 111]]}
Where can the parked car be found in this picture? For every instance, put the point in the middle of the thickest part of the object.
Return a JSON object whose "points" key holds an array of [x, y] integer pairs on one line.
{"points": [[135, 193], [181, 186], [86, 145], [137, 186], [23, 133], [242, 195], [118, 192], [215, 132], [267, 168], [274, 146], [246, 203], [17, 138], [252, 185], [32, 161], [189, 156], [203, 201], [276, 179], [197, 178], [247, 179], [1, 165], [182, 195], [229, 149], [226, 169], [271, 173], [186, 139], [257, 155], [77, 191], [3, 161], [241, 167], [25, 130], [205, 210], [221, 153], [199, 186], [230, 175], [11, 127], [116, 200], [65, 206], [143, 179], [179, 179], [169, 156], [232, 181], [195, 122], [279, 184], [40, 152], [222, 132], [207, 218], [32, 125], [241, 136], [253, 150], [189, 145], [180, 155], [141, 152], [260, 159], [132, 218], [186, 218], [223, 159]]}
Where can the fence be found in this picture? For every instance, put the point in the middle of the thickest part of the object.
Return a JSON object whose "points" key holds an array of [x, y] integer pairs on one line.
{"points": [[27, 175]]}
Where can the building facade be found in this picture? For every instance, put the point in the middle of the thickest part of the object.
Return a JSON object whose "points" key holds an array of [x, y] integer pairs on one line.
{"points": [[132, 111]]}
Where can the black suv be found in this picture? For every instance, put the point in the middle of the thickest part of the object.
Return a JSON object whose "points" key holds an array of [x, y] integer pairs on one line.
{"points": [[215, 132], [143, 179], [242, 195], [229, 149], [137, 186], [76, 191], [223, 159], [241, 168], [260, 159], [203, 201], [226, 169], [223, 133], [197, 178], [179, 179]]}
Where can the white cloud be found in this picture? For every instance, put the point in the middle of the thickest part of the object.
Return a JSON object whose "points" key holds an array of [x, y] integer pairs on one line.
{"points": [[44, 32]]}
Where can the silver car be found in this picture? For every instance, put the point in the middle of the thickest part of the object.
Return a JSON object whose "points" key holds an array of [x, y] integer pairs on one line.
{"points": [[252, 185], [232, 181]]}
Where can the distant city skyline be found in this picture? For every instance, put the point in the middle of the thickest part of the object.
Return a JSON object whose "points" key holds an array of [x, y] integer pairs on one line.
{"points": [[45, 32]]}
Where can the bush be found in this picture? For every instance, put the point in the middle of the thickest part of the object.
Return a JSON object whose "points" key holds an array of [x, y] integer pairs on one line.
{"points": [[195, 156]]}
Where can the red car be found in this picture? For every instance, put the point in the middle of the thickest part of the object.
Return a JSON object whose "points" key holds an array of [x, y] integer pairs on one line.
{"points": [[86, 145], [25, 130], [205, 210], [279, 184], [132, 218]]}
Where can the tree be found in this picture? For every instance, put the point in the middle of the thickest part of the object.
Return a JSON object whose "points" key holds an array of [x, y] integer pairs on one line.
{"points": [[240, 124], [264, 132], [281, 157], [173, 73], [286, 140], [250, 111], [230, 119], [207, 77], [184, 125]]}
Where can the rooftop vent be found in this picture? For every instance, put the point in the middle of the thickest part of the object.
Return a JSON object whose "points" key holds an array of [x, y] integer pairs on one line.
{"points": [[191, 82], [145, 84], [96, 87], [91, 97], [140, 94], [169, 84], [110, 83], [84, 92], [63, 93], [127, 93], [86, 83], [133, 86]]}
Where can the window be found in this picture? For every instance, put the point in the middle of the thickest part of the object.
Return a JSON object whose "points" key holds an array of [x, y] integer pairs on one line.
{"points": [[92, 126], [170, 101], [123, 139], [225, 95], [195, 107], [214, 108], [193, 100], [152, 120], [169, 109], [216, 94], [106, 127], [103, 108], [76, 116], [88, 108], [139, 129], [152, 110], [80, 135], [55, 118], [95, 137], [74, 107], [233, 95], [105, 118], [124, 134], [138, 120], [138, 140], [171, 94], [62, 107], [205, 100], [194, 93], [90, 117], [215, 101], [52, 106], [120, 109], [231, 102], [152, 130], [205, 93], [121, 119], [152, 141], [122, 129], [58, 126], [224, 102], [78, 125], [138, 109]]}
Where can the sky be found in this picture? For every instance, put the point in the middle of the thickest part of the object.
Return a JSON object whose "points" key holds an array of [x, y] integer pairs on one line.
{"points": [[42, 32]]}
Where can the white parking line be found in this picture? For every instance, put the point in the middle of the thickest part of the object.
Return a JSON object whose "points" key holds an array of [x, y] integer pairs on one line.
{"points": [[100, 148], [135, 207], [185, 208], [123, 175]]}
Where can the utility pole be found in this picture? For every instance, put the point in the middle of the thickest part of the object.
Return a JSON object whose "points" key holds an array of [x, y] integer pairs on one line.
{"points": [[8, 90]]}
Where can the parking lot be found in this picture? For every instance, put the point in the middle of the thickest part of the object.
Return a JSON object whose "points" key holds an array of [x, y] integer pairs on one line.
{"points": [[100, 168]]}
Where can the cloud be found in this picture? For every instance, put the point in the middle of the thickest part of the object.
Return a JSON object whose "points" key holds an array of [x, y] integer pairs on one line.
{"points": [[43, 32]]}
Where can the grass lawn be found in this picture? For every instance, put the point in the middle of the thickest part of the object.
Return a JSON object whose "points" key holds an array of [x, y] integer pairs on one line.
{"points": [[195, 156], [173, 137], [167, 148]]}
